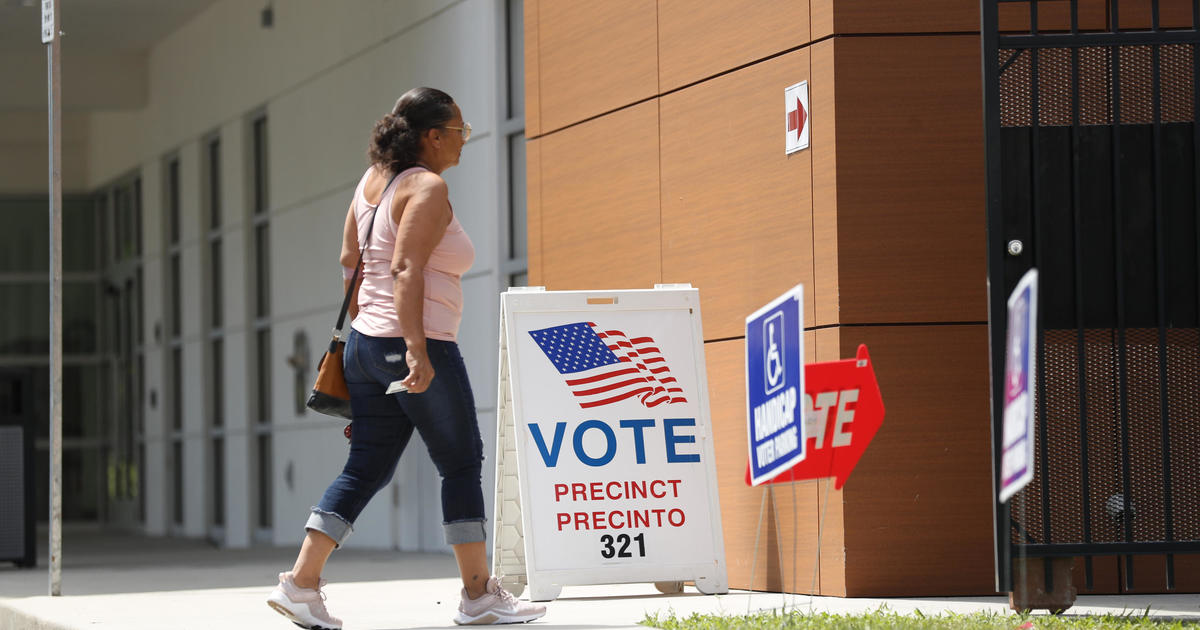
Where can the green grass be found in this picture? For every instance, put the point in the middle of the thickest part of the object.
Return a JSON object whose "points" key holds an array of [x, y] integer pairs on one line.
{"points": [[884, 619]]}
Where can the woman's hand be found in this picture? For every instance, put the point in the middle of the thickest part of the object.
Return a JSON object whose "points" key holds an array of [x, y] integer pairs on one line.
{"points": [[420, 370]]}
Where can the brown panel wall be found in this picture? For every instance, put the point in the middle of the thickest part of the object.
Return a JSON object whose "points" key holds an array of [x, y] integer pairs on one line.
{"points": [[822, 88], [820, 23], [599, 203], [832, 524], [736, 211], [905, 16], [910, 192], [697, 40], [918, 509], [533, 104], [595, 57]]}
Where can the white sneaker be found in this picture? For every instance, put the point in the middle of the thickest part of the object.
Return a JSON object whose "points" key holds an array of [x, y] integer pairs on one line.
{"points": [[305, 607], [495, 606]]}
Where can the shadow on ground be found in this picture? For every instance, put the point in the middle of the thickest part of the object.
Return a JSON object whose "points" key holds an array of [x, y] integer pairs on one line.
{"points": [[101, 562]]}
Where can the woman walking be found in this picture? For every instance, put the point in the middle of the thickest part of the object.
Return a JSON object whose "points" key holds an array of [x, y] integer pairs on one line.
{"points": [[409, 306]]}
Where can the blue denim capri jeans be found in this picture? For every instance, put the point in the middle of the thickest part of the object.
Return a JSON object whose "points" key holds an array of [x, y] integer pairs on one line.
{"points": [[444, 415]]}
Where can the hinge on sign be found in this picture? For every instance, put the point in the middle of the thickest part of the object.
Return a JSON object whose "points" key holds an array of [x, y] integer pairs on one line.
{"points": [[526, 289], [674, 285]]}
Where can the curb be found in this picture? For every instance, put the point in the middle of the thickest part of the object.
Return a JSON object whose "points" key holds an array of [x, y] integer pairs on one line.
{"points": [[12, 618]]}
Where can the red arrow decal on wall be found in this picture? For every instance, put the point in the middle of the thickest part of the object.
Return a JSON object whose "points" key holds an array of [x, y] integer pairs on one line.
{"points": [[801, 117]]}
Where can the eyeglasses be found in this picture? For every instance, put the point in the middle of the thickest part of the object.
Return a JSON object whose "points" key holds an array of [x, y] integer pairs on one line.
{"points": [[465, 130]]}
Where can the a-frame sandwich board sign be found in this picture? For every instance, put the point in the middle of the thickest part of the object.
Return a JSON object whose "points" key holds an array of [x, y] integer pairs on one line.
{"points": [[604, 453]]}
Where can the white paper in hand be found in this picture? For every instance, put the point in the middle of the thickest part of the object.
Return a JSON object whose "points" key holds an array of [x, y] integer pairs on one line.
{"points": [[397, 387]]}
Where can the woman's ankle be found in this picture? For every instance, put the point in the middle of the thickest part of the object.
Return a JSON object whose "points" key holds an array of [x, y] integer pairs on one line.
{"points": [[306, 581]]}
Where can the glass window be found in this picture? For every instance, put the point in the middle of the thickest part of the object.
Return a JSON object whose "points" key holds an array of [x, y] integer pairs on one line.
{"points": [[218, 471], [102, 202], [518, 231], [79, 236], [24, 318], [265, 480], [137, 215], [177, 388], [25, 240], [129, 223], [218, 385], [81, 390], [264, 375], [214, 183], [176, 296], [139, 406], [173, 218], [81, 481], [216, 299], [137, 287], [259, 141], [516, 58], [133, 476], [262, 268], [177, 478], [127, 320], [119, 217], [140, 482], [80, 301]]}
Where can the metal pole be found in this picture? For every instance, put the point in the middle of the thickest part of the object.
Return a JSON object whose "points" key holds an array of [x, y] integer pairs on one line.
{"points": [[53, 68], [997, 295]]}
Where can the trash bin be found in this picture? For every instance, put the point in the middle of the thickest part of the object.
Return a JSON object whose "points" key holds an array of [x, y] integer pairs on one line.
{"points": [[17, 525]]}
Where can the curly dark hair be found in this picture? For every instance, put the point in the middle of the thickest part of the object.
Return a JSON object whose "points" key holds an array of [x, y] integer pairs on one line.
{"points": [[396, 138]]}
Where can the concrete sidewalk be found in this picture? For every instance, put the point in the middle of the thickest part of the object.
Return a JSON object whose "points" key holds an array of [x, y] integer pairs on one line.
{"points": [[126, 582]]}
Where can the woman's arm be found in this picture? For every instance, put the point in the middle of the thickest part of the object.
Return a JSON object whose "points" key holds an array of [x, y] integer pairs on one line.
{"points": [[422, 222], [349, 257]]}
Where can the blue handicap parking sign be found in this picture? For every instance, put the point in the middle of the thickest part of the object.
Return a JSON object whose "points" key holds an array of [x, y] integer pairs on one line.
{"points": [[775, 386]]}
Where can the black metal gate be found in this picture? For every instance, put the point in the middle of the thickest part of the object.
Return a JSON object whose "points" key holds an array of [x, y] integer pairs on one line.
{"points": [[1091, 177]]}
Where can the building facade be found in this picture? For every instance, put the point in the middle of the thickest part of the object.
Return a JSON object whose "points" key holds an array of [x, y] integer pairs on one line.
{"points": [[207, 175]]}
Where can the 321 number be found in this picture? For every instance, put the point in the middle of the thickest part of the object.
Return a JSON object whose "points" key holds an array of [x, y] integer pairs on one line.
{"points": [[619, 547]]}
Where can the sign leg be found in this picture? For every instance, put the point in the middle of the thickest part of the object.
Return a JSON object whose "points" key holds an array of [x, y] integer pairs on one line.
{"points": [[508, 534], [812, 588], [711, 586], [754, 559], [778, 543]]}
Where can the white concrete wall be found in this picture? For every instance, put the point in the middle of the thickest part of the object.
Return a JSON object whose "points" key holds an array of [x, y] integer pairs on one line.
{"points": [[323, 74]]}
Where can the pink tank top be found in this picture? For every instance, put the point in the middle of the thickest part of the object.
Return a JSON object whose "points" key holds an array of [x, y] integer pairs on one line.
{"points": [[450, 259]]}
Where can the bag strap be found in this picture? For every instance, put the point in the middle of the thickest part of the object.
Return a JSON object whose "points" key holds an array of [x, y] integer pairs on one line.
{"points": [[341, 320]]}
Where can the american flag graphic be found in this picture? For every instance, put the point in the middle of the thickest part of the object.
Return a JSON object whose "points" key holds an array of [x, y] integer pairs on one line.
{"points": [[607, 366]]}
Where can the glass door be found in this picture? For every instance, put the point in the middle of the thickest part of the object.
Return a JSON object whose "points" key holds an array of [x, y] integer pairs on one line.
{"points": [[124, 428]]}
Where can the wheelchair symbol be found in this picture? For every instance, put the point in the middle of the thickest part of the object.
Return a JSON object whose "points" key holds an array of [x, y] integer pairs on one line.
{"points": [[773, 341]]}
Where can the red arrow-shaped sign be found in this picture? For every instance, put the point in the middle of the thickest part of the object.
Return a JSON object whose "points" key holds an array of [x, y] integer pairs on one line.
{"points": [[796, 119], [843, 412]]}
